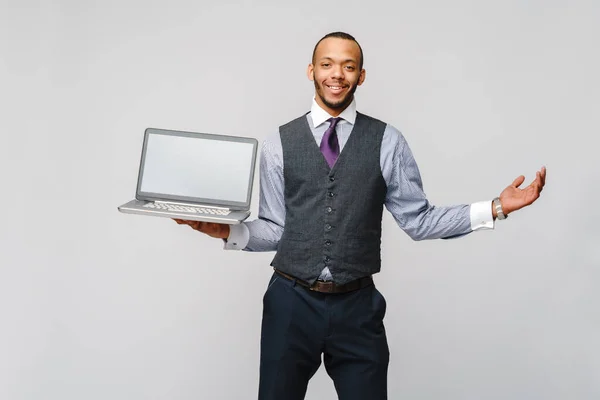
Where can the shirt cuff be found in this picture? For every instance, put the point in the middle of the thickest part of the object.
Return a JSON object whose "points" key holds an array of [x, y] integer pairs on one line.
{"points": [[481, 216], [239, 236]]}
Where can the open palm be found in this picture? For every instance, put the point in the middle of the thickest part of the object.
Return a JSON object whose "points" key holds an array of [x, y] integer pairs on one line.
{"points": [[513, 198]]}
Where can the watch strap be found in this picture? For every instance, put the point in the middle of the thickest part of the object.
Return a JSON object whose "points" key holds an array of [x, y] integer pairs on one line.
{"points": [[498, 208]]}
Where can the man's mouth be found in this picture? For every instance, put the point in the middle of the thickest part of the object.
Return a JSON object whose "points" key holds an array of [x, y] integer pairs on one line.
{"points": [[336, 89]]}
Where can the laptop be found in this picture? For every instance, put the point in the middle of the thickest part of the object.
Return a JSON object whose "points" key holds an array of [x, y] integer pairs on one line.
{"points": [[194, 176]]}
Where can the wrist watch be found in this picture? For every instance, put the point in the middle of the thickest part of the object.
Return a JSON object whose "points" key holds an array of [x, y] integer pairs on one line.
{"points": [[498, 208]]}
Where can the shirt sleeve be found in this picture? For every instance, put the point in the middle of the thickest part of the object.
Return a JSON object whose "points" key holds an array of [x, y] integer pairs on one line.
{"points": [[263, 233], [481, 216], [408, 204]]}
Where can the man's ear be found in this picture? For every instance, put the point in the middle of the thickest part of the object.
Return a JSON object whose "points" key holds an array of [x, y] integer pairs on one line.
{"points": [[362, 77], [310, 72]]}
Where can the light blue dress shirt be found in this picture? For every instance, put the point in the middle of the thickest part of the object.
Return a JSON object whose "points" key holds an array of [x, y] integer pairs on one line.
{"points": [[405, 198]]}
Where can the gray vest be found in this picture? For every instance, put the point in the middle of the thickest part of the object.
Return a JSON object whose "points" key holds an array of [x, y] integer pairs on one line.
{"points": [[333, 216]]}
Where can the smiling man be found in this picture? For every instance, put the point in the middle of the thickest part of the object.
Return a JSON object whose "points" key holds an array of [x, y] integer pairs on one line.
{"points": [[337, 72], [325, 178]]}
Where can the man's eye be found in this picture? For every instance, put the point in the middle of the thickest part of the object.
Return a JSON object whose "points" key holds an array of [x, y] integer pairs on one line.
{"points": [[325, 65], [350, 68]]}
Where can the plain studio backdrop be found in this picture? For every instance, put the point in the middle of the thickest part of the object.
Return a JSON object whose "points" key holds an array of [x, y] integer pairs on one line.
{"points": [[95, 304]]}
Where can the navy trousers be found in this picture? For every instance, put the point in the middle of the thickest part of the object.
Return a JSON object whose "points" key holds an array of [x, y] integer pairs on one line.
{"points": [[300, 326]]}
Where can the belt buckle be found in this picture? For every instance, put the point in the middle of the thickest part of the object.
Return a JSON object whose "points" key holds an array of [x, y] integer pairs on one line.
{"points": [[323, 287]]}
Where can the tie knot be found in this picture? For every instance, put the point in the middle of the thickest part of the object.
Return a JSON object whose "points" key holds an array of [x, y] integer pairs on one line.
{"points": [[333, 122]]}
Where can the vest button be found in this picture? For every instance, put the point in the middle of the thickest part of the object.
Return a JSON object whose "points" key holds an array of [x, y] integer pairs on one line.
{"points": [[330, 194], [327, 259], [329, 210], [331, 178], [328, 227], [328, 243]]}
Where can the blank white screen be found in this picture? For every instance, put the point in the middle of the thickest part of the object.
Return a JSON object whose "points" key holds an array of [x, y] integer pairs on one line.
{"points": [[197, 167]]}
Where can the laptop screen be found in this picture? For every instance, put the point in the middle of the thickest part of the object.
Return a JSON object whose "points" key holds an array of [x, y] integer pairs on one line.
{"points": [[203, 168]]}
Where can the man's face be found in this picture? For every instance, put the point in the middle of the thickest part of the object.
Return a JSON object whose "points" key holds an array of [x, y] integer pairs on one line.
{"points": [[335, 74]]}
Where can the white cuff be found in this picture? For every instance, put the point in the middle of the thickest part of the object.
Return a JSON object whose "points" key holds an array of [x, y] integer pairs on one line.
{"points": [[239, 235], [481, 216]]}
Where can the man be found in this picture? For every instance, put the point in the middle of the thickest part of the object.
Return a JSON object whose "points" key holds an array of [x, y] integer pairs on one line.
{"points": [[325, 178]]}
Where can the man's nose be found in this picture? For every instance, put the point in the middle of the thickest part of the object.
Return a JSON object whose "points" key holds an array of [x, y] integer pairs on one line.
{"points": [[337, 72]]}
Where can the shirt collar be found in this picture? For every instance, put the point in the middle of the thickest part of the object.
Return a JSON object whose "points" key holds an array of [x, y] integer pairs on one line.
{"points": [[319, 116]]}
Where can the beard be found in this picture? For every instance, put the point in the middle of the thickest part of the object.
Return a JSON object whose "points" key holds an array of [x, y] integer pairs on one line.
{"points": [[339, 105]]}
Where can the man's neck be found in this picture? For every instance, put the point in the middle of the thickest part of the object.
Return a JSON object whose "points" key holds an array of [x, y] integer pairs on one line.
{"points": [[334, 112], [319, 114]]}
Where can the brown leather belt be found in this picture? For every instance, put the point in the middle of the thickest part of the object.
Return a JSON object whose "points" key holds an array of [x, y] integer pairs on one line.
{"points": [[330, 287]]}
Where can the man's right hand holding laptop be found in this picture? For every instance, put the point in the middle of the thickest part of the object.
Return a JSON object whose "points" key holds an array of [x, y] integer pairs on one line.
{"points": [[220, 231]]}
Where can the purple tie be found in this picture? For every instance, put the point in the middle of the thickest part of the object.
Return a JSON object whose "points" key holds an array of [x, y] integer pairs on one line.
{"points": [[329, 144]]}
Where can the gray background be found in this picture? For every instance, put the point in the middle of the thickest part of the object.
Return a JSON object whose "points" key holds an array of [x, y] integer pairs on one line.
{"points": [[102, 305]]}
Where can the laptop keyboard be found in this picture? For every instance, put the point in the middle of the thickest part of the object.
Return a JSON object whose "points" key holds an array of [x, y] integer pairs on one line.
{"points": [[191, 209]]}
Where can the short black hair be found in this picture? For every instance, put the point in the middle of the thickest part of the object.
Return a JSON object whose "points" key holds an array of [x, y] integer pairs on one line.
{"points": [[340, 35]]}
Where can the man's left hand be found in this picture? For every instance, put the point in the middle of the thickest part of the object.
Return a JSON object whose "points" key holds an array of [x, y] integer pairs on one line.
{"points": [[512, 198]]}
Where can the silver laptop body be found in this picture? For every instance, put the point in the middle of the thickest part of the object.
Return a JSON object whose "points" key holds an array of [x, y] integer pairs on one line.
{"points": [[194, 176]]}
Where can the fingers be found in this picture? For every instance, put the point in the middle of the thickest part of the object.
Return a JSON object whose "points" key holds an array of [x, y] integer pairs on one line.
{"points": [[192, 224], [195, 225], [518, 182], [538, 183], [543, 176], [204, 227], [540, 178], [209, 228]]}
